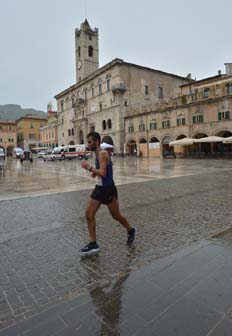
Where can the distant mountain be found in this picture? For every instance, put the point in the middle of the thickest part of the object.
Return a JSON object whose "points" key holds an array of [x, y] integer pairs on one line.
{"points": [[13, 112]]}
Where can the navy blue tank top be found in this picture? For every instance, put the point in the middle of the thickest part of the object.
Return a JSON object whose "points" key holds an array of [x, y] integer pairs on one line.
{"points": [[106, 181]]}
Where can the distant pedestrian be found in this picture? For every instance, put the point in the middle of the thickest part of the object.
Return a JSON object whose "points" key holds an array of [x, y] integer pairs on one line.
{"points": [[105, 192]]}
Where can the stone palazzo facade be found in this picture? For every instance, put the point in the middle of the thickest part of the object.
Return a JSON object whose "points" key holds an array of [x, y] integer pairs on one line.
{"points": [[102, 96], [8, 136], [202, 108], [137, 109]]}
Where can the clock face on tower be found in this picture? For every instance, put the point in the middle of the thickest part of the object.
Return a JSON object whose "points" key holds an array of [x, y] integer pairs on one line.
{"points": [[79, 65]]}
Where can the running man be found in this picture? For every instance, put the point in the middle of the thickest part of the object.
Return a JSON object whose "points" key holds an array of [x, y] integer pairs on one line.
{"points": [[105, 192]]}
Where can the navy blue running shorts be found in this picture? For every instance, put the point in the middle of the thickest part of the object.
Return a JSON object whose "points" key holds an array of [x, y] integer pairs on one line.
{"points": [[104, 194]]}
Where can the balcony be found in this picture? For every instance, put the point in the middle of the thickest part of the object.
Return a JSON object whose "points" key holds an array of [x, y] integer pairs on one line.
{"points": [[120, 88], [78, 102]]}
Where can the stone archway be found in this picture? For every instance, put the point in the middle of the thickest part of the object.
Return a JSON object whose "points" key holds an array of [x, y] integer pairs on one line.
{"points": [[166, 150], [154, 147], [107, 139], [221, 147], [201, 147], [132, 147], [71, 143], [200, 135], [224, 133], [181, 136]]}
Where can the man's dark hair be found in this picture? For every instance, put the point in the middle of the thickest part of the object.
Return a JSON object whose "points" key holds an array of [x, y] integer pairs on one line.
{"points": [[95, 136]]}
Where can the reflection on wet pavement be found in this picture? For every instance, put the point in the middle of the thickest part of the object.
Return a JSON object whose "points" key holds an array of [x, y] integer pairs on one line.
{"points": [[41, 178], [45, 285]]}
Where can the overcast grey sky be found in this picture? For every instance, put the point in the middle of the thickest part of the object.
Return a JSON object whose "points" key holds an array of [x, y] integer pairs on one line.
{"points": [[37, 40]]}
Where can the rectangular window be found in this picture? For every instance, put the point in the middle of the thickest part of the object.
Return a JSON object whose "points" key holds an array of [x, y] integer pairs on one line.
{"points": [[62, 106], [85, 94], [166, 124], [146, 89], [31, 125], [229, 88], [125, 103], [153, 125], [198, 119], [31, 136], [160, 92], [100, 89], [73, 101], [100, 106], [180, 121], [108, 84], [92, 92], [224, 115], [142, 127], [206, 93]]}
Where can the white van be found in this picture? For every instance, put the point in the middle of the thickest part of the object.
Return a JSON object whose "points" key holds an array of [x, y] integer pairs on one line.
{"points": [[17, 152], [76, 151], [2, 154]]}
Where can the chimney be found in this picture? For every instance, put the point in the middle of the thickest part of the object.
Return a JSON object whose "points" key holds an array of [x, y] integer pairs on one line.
{"points": [[228, 69]]}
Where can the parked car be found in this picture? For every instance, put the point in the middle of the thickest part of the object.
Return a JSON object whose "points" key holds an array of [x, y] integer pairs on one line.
{"points": [[48, 156], [2, 154], [17, 152], [41, 154], [58, 153], [26, 156]]}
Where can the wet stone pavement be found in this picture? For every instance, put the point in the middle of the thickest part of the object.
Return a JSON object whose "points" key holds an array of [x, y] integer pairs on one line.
{"points": [[175, 280]]}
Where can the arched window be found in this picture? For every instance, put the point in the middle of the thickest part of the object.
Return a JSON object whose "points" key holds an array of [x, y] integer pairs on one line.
{"points": [[104, 125], [90, 51], [109, 123], [69, 132]]}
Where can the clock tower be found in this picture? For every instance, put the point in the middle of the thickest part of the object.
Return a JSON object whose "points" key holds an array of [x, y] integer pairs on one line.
{"points": [[87, 50]]}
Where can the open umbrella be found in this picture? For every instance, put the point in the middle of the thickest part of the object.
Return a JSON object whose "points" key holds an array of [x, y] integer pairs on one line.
{"points": [[105, 145], [227, 140], [181, 142], [209, 139]]}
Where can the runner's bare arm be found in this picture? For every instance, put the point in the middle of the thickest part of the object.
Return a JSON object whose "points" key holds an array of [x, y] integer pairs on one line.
{"points": [[103, 157]]}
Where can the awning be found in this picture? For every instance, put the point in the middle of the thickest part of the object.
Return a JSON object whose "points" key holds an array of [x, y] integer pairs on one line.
{"points": [[209, 139], [227, 140], [182, 142]]}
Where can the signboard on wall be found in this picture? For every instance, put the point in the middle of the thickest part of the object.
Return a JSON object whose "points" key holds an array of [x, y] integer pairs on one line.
{"points": [[153, 145]]}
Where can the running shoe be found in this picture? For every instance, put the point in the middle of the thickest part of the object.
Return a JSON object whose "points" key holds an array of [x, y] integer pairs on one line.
{"points": [[131, 236], [90, 248]]}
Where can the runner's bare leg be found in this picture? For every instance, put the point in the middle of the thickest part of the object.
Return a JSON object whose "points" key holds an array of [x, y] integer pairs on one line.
{"points": [[91, 210], [116, 214]]}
